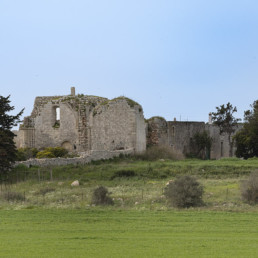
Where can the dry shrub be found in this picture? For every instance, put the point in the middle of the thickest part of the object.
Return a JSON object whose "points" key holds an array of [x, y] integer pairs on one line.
{"points": [[13, 196], [100, 196], [184, 192], [44, 191], [249, 188], [124, 173], [160, 152]]}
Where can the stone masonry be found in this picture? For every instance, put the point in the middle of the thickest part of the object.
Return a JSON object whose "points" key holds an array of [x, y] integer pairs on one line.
{"points": [[82, 124]]}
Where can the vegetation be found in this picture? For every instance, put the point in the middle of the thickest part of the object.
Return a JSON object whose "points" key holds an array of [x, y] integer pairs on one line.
{"points": [[159, 152], [130, 102], [224, 118], [247, 138], [201, 145], [52, 152], [135, 184], [250, 188], [7, 145], [100, 196], [155, 117], [184, 192], [13, 196], [123, 173], [99, 232], [26, 153]]}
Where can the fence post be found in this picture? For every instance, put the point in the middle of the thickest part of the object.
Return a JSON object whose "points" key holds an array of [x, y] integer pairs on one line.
{"points": [[39, 174], [51, 175]]}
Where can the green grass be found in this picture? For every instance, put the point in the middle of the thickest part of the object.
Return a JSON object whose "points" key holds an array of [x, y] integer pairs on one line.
{"points": [[144, 191], [104, 170], [57, 220], [118, 233]]}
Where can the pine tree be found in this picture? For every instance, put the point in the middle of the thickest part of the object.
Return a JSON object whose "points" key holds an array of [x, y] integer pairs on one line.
{"points": [[7, 145]]}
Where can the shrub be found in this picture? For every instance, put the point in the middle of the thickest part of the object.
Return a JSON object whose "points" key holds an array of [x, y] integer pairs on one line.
{"points": [[124, 173], [100, 196], [13, 196], [26, 153], [44, 191], [52, 153], [159, 152], [45, 154], [249, 188], [184, 192]]}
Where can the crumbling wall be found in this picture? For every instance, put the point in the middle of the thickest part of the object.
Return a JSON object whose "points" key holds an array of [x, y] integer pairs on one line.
{"points": [[115, 125], [181, 133], [157, 131], [178, 135], [85, 123], [49, 132]]}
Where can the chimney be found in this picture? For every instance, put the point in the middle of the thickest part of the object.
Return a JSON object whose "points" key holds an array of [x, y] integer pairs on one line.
{"points": [[73, 91], [210, 118]]}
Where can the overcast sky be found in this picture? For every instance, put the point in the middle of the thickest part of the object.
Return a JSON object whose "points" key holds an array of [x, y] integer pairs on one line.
{"points": [[177, 58]]}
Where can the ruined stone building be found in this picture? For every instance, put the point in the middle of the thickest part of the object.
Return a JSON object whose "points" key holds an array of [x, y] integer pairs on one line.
{"points": [[84, 123], [178, 135]]}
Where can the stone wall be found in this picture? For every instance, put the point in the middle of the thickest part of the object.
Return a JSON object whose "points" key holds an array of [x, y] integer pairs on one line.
{"points": [[94, 155], [116, 125], [178, 135], [85, 123]]}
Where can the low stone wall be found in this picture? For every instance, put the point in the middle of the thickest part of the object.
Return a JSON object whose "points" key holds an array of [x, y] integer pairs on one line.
{"points": [[94, 155]]}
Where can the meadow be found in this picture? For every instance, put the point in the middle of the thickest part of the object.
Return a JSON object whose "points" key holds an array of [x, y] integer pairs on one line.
{"points": [[55, 219], [120, 233]]}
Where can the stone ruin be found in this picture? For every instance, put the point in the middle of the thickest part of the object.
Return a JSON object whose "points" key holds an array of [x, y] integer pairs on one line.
{"points": [[87, 124], [82, 123]]}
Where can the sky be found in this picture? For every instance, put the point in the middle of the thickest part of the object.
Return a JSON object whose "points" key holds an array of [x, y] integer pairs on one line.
{"points": [[177, 58]]}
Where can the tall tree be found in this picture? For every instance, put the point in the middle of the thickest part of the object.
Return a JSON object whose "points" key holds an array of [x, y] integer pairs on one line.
{"points": [[247, 138], [225, 120], [7, 145]]}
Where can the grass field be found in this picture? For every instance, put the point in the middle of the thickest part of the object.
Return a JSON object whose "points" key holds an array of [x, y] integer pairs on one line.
{"points": [[119, 233], [142, 191], [53, 219]]}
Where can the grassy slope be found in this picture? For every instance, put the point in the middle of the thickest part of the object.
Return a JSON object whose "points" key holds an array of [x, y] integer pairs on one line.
{"points": [[110, 233], [220, 178]]}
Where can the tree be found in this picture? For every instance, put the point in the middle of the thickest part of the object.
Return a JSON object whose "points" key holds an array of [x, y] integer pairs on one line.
{"points": [[7, 145], [201, 145], [226, 122], [247, 138]]}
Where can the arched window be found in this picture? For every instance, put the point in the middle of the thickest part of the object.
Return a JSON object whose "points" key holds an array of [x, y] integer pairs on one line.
{"points": [[56, 118], [57, 113]]}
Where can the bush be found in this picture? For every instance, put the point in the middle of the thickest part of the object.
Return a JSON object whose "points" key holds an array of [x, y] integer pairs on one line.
{"points": [[13, 196], [52, 153], [44, 191], [184, 192], [124, 173], [26, 153], [159, 152], [100, 196], [249, 188]]}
